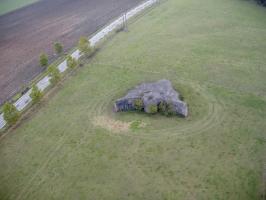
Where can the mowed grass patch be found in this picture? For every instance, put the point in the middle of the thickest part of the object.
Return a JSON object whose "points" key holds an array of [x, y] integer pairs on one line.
{"points": [[10, 5], [212, 53]]}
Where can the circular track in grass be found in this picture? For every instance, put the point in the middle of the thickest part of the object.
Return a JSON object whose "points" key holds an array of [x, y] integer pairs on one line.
{"points": [[205, 111]]}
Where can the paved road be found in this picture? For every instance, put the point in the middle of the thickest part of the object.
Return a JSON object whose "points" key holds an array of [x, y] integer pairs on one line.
{"points": [[25, 33]]}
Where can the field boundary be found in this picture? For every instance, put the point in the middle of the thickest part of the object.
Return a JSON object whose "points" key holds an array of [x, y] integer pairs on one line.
{"points": [[25, 100]]}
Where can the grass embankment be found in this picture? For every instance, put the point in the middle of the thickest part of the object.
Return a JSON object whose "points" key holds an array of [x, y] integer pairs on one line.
{"points": [[10, 5], [214, 53]]}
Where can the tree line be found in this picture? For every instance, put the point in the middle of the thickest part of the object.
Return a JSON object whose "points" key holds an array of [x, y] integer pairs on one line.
{"points": [[262, 2], [11, 113]]}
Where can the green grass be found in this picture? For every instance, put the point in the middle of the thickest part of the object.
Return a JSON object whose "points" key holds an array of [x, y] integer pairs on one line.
{"points": [[10, 5], [213, 51]]}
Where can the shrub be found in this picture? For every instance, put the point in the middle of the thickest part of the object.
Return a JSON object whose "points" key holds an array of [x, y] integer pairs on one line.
{"points": [[152, 109], [58, 48], [170, 109], [84, 46], [43, 60], [162, 107], [36, 94], [55, 74], [166, 108], [138, 104], [11, 114], [71, 62], [181, 97]]}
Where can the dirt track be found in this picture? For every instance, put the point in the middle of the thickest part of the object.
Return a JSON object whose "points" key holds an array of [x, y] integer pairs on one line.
{"points": [[27, 32]]}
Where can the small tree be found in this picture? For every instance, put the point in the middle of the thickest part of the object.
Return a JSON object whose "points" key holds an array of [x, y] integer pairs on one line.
{"points": [[11, 114], [54, 73], [152, 109], [43, 60], [138, 104], [36, 94], [58, 48], [84, 46], [71, 62]]}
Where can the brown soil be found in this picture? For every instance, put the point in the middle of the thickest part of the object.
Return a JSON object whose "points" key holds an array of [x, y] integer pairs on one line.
{"points": [[27, 32]]}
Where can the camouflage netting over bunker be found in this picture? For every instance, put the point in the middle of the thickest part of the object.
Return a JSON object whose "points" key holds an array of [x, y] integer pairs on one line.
{"points": [[152, 98]]}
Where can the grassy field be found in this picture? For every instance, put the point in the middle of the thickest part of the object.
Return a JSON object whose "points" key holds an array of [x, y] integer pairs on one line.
{"points": [[75, 147], [10, 5]]}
